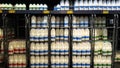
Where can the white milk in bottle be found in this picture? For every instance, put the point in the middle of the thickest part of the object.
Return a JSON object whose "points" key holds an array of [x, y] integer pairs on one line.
{"points": [[74, 48], [66, 61], [11, 61], [38, 21], [53, 23], [53, 61], [57, 21], [37, 61], [53, 35], [46, 62], [67, 5], [57, 33], [53, 48], [33, 21], [37, 49], [66, 33], [32, 48], [62, 4], [76, 5], [77, 21], [46, 48], [57, 61], [74, 22], [66, 21]]}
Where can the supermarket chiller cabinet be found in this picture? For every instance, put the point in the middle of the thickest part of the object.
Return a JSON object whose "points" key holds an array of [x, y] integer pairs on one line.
{"points": [[72, 41]]}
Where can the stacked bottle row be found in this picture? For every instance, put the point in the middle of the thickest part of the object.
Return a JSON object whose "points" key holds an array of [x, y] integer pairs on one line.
{"points": [[11, 7], [36, 52], [101, 34], [59, 34], [67, 5], [81, 34], [59, 61], [96, 5], [63, 5], [60, 44], [57, 21], [17, 61], [40, 21], [88, 5], [82, 48], [56, 61], [80, 21], [100, 21], [39, 48], [16, 53], [102, 61], [103, 47], [38, 7], [39, 62], [1, 52], [81, 61], [103, 54], [60, 48], [117, 57], [39, 34], [17, 47]]}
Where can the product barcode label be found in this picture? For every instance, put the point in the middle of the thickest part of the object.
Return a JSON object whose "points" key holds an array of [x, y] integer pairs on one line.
{"points": [[105, 12], [11, 11], [1, 11], [69, 12], [46, 12]]}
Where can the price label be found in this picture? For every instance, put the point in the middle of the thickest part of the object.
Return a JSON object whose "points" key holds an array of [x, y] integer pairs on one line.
{"points": [[11, 11], [46, 12], [1, 11], [105, 12], [69, 12]]}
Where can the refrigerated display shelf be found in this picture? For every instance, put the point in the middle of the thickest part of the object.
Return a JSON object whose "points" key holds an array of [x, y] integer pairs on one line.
{"points": [[83, 41], [39, 55], [59, 40], [60, 12], [60, 27], [38, 41], [16, 54], [59, 55], [39, 27], [104, 40], [81, 27], [49, 40], [104, 27], [81, 55]]}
